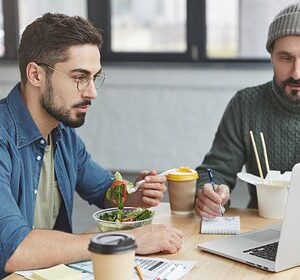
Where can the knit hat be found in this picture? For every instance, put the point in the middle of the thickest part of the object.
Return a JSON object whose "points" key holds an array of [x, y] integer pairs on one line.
{"points": [[287, 22]]}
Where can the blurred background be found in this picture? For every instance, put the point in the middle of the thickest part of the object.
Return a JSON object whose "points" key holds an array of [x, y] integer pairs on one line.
{"points": [[171, 67]]}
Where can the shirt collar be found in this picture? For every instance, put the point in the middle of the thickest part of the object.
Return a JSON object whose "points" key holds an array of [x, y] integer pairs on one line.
{"points": [[26, 129]]}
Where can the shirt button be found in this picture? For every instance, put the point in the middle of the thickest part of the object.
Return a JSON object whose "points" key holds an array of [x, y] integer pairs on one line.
{"points": [[42, 141], [35, 191], [38, 157]]}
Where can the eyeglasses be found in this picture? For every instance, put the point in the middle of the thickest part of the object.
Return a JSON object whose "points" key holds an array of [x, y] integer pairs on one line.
{"points": [[82, 83]]}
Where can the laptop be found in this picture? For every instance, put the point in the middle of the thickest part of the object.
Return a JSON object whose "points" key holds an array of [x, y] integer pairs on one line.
{"points": [[273, 248]]}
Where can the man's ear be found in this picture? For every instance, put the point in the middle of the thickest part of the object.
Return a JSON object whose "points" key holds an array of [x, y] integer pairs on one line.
{"points": [[35, 74], [272, 58]]}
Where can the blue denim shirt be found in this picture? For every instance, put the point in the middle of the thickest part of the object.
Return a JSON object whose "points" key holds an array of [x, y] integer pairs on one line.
{"points": [[21, 156]]}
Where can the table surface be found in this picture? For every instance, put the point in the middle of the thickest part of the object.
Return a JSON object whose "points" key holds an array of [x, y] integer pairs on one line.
{"points": [[211, 266]]}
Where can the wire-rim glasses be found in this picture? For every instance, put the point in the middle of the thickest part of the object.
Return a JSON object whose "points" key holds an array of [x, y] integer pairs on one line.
{"points": [[81, 83]]}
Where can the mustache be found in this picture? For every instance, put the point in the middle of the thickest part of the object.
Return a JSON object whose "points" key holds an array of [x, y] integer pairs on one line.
{"points": [[291, 81], [83, 103]]}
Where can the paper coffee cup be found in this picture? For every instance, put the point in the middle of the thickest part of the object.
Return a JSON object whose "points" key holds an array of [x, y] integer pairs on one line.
{"points": [[182, 188], [113, 256]]}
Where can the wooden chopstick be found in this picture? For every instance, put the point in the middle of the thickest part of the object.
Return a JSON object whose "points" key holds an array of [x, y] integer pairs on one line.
{"points": [[265, 155], [256, 156]]}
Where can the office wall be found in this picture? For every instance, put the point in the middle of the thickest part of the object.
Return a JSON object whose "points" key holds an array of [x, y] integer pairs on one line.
{"points": [[159, 117]]}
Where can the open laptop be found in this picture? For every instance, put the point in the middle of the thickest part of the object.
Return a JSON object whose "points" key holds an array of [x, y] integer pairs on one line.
{"points": [[272, 248]]}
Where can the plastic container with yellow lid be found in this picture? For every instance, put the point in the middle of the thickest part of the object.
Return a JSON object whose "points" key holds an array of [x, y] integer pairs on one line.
{"points": [[182, 174], [182, 188]]}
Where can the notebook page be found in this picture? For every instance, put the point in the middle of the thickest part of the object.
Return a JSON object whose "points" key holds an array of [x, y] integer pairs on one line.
{"points": [[221, 225], [58, 272]]}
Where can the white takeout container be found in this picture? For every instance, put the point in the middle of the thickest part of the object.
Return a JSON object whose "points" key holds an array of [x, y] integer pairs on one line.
{"points": [[272, 193]]}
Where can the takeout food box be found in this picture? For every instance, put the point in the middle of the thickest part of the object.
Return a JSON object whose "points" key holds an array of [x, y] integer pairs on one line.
{"points": [[274, 178], [272, 192]]}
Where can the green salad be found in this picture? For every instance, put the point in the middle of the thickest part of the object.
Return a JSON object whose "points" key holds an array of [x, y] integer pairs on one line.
{"points": [[137, 214], [118, 193]]}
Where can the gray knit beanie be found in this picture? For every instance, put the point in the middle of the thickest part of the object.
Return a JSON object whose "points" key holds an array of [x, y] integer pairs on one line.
{"points": [[287, 22]]}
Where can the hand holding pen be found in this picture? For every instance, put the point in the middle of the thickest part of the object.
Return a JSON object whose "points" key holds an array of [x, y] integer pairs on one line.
{"points": [[211, 180], [207, 199]]}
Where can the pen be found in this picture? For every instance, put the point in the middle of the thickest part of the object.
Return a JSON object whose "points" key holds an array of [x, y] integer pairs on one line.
{"points": [[211, 180], [166, 272], [139, 272]]}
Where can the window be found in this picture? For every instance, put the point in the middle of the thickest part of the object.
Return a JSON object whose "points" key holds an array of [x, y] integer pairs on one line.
{"points": [[152, 30], [222, 28], [158, 26], [157, 30], [29, 10], [185, 30], [237, 29], [1, 32], [16, 15]]}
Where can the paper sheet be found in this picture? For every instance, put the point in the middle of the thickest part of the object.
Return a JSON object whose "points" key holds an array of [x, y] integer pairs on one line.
{"points": [[150, 267], [221, 225], [58, 272], [28, 273]]}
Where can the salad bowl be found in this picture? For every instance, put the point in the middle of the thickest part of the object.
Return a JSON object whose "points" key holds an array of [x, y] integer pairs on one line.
{"points": [[113, 219]]}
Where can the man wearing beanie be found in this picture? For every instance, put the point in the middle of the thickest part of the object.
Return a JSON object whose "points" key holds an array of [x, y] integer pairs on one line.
{"points": [[272, 108]]}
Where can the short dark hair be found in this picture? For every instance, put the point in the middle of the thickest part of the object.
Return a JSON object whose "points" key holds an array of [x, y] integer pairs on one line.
{"points": [[48, 38]]}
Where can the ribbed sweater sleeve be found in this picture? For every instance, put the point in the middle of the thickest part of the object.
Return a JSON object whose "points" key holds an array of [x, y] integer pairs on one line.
{"points": [[226, 156]]}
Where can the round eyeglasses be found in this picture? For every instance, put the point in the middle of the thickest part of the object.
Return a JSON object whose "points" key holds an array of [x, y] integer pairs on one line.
{"points": [[82, 83]]}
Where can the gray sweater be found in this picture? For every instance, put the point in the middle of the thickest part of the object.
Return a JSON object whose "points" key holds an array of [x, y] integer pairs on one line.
{"points": [[261, 109]]}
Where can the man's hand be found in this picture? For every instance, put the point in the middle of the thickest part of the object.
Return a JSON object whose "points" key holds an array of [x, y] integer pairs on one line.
{"points": [[207, 200], [156, 238], [150, 193]]}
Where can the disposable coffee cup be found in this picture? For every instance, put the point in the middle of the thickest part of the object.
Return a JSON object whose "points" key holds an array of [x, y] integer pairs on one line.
{"points": [[181, 189], [113, 256]]}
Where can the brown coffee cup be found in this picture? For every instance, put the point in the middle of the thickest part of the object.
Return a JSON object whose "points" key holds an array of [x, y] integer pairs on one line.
{"points": [[181, 189], [113, 256]]}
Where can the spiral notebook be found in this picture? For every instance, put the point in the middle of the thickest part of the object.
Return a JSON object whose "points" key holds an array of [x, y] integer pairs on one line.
{"points": [[221, 225]]}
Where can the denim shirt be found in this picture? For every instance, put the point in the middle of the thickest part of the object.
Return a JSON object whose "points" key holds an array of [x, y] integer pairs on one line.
{"points": [[21, 157]]}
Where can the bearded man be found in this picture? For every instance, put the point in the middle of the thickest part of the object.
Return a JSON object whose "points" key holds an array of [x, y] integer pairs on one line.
{"points": [[42, 159], [272, 108]]}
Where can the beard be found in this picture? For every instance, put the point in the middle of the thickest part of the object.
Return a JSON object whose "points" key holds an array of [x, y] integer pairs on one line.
{"points": [[294, 95], [62, 113]]}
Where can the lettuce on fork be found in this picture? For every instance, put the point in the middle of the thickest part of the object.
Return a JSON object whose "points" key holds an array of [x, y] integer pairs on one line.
{"points": [[118, 193]]}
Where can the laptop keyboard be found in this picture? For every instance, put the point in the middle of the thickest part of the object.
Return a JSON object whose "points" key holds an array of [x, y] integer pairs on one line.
{"points": [[266, 251]]}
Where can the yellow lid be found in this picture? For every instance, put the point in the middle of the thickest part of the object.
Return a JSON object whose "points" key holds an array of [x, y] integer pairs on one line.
{"points": [[182, 174]]}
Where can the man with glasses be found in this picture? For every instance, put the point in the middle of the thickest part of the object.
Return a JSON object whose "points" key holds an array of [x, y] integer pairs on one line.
{"points": [[42, 159]]}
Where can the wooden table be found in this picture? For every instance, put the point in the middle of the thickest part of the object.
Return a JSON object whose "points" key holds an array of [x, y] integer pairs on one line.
{"points": [[211, 266]]}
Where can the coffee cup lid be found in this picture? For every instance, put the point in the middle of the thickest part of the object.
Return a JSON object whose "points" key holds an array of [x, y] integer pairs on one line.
{"points": [[182, 174], [111, 243]]}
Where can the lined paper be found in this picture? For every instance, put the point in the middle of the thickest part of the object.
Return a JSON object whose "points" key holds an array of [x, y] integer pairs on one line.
{"points": [[221, 225]]}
